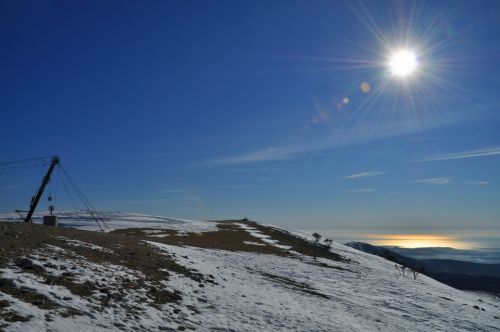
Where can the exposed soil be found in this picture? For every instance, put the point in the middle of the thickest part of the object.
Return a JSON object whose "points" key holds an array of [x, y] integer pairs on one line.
{"points": [[232, 237], [298, 244], [20, 240], [228, 237]]}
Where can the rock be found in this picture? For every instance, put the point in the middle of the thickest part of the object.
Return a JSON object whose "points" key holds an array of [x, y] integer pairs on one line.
{"points": [[193, 309], [55, 295], [50, 265], [51, 280], [196, 278], [476, 307], [25, 290], [38, 302], [91, 315], [4, 282], [4, 303], [116, 296], [24, 263]]}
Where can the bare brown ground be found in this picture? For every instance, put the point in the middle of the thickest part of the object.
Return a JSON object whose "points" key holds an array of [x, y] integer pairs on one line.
{"points": [[228, 237], [19, 240]]}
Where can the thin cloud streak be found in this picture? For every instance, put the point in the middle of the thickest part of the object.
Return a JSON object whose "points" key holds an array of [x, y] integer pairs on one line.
{"points": [[464, 155], [477, 183], [362, 190], [343, 134], [177, 191], [436, 181], [204, 189], [364, 175]]}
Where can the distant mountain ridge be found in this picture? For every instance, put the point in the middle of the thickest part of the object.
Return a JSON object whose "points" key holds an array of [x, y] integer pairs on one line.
{"points": [[455, 273], [480, 255]]}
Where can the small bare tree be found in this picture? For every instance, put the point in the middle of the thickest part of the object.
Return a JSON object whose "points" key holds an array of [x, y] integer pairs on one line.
{"points": [[328, 243], [415, 273], [401, 269], [317, 237]]}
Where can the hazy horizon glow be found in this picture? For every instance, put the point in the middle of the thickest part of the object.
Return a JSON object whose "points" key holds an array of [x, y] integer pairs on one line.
{"points": [[462, 239], [419, 241]]}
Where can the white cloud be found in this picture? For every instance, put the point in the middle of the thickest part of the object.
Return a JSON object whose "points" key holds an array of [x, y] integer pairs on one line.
{"points": [[478, 183], [361, 190], [464, 155], [364, 175], [438, 181]]}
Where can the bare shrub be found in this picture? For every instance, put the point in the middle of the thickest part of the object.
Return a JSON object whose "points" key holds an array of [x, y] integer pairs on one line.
{"points": [[401, 269], [415, 273]]}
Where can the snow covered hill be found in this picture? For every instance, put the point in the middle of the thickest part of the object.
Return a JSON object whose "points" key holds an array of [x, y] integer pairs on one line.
{"points": [[118, 220], [227, 276]]}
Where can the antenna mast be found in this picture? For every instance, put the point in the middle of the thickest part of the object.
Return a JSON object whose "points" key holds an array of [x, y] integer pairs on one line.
{"points": [[45, 181]]}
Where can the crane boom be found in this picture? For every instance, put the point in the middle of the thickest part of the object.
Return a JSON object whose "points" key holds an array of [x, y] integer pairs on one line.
{"points": [[45, 181]]}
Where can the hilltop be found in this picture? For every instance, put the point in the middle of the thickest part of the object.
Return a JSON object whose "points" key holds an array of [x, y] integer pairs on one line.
{"points": [[153, 273]]}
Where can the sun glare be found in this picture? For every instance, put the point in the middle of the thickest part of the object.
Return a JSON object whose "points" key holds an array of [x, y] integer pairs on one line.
{"points": [[403, 63]]}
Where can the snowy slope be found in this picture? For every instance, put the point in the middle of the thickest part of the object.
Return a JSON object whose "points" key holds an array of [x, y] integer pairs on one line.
{"points": [[259, 292], [370, 296]]}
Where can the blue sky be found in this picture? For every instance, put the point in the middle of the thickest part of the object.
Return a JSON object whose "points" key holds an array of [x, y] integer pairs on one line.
{"points": [[281, 111]]}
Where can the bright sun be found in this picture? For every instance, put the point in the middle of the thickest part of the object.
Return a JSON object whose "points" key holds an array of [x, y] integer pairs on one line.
{"points": [[403, 63]]}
